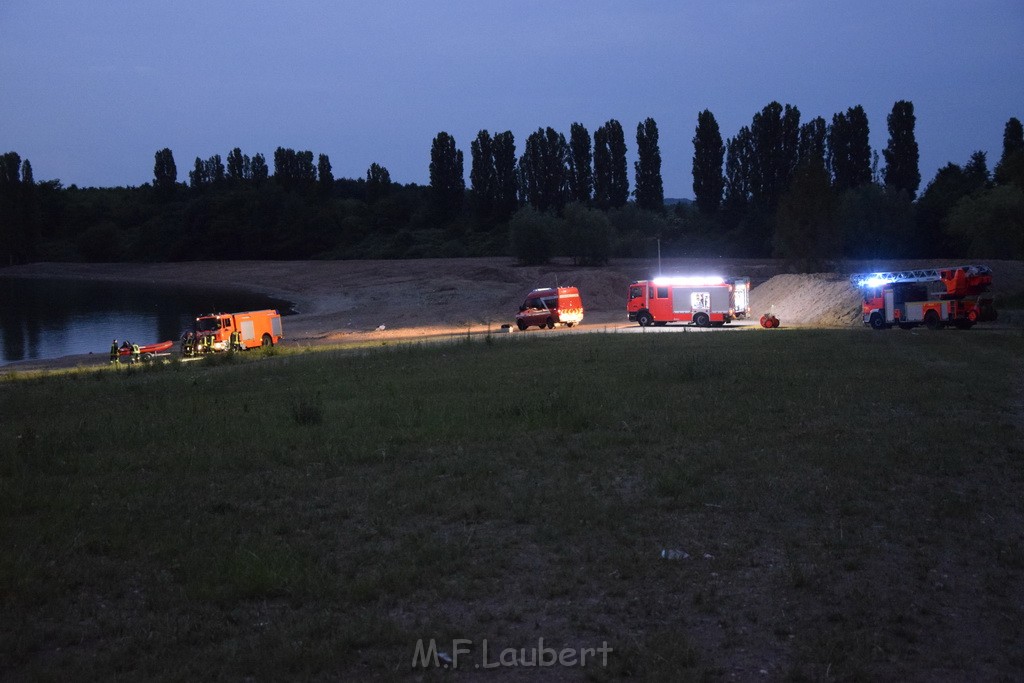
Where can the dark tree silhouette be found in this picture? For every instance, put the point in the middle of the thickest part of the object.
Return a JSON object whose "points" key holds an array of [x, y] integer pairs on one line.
{"points": [[650, 192], [325, 177], [813, 142], [581, 175], [447, 179], [775, 135], [239, 166], [506, 191], [611, 180], [1010, 168], [543, 170], [708, 154], [901, 154], [165, 174], [378, 182], [849, 151], [740, 152], [483, 189]]}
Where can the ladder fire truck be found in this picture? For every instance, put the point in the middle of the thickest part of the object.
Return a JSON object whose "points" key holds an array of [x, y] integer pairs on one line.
{"points": [[935, 297]]}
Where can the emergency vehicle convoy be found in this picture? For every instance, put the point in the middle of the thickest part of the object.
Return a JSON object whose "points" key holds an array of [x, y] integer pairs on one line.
{"points": [[704, 301], [934, 297], [550, 307], [228, 331]]}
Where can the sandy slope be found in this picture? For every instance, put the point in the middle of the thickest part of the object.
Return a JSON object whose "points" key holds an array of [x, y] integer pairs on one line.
{"points": [[340, 301]]}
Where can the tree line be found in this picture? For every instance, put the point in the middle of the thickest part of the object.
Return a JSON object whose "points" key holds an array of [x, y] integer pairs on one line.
{"points": [[806, 191]]}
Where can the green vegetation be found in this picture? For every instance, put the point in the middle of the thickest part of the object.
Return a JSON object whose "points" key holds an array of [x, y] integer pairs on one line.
{"points": [[753, 198], [849, 500]]}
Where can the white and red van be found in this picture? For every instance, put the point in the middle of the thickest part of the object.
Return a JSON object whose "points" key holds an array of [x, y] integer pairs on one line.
{"points": [[550, 307]]}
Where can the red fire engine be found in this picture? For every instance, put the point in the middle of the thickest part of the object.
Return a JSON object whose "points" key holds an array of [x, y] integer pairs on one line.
{"points": [[935, 297], [257, 328], [704, 301]]}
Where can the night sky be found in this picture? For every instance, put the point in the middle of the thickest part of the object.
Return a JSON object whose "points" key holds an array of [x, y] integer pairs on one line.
{"points": [[90, 90]]}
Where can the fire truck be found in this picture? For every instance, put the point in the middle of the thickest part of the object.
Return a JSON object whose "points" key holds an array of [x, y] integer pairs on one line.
{"points": [[258, 328], [703, 301], [934, 297]]}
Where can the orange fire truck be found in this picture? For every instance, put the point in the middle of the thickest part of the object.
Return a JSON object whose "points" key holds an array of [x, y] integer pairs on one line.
{"points": [[704, 301], [934, 297], [258, 328]]}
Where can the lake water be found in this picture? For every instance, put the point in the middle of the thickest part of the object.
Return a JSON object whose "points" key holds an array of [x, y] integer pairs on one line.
{"points": [[42, 319]]}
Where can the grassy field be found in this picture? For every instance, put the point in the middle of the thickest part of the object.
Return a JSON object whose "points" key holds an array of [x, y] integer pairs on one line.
{"points": [[850, 505]]}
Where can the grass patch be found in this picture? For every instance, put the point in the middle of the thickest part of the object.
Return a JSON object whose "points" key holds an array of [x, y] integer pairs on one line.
{"points": [[288, 514]]}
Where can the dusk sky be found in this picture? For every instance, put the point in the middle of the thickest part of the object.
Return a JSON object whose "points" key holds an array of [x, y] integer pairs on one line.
{"points": [[92, 89]]}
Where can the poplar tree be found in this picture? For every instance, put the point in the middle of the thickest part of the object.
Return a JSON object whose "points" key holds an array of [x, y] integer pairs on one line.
{"points": [[165, 173], [378, 181], [580, 173], [482, 177], [849, 151], [813, 143], [611, 180], [775, 135], [650, 192], [708, 154], [325, 176], [239, 166], [739, 153], [447, 179], [901, 154], [260, 171], [506, 199], [543, 170], [1010, 168]]}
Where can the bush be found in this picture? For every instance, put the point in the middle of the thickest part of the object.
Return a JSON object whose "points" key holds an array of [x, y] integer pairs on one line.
{"points": [[586, 236], [533, 236]]}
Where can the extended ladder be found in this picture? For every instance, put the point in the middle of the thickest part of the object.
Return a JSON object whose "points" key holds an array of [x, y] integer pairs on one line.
{"points": [[915, 275]]}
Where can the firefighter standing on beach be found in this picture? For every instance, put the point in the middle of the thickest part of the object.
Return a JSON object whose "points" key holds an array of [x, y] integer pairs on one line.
{"points": [[115, 356]]}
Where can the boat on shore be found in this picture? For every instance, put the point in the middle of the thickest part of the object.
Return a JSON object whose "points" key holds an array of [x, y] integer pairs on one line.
{"points": [[158, 347]]}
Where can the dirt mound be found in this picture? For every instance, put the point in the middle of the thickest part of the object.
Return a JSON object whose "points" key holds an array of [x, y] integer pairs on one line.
{"points": [[825, 299]]}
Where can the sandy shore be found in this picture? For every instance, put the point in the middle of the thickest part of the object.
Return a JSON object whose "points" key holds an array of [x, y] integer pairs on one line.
{"points": [[342, 302]]}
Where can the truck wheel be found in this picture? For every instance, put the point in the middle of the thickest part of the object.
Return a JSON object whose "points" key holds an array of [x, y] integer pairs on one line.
{"points": [[702, 320], [931, 320], [521, 325], [267, 341], [551, 324], [877, 321], [644, 318]]}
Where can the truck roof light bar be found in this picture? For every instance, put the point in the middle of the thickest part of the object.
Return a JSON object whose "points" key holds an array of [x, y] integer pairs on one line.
{"points": [[690, 281]]}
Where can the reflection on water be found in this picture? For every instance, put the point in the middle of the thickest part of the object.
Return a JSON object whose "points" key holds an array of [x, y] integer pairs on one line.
{"points": [[53, 318]]}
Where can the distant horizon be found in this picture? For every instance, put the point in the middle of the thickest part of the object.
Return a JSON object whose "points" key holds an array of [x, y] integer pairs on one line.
{"points": [[93, 91]]}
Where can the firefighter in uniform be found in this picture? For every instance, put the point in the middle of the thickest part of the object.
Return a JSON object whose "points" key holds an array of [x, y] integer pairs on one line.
{"points": [[115, 356], [135, 353]]}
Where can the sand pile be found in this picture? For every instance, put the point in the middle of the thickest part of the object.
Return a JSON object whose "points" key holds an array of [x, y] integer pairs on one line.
{"points": [[824, 299]]}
